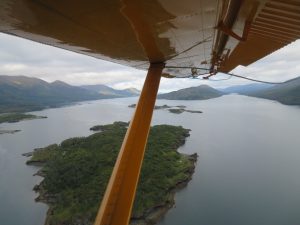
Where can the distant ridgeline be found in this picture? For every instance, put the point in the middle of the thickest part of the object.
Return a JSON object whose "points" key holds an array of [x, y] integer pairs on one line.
{"points": [[287, 93], [201, 92], [76, 173], [21, 94]]}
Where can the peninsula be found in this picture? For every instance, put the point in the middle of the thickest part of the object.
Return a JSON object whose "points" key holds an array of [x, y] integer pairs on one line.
{"points": [[76, 173], [17, 117]]}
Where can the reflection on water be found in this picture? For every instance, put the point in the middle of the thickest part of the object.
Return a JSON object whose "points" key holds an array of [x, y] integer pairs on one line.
{"points": [[247, 170]]}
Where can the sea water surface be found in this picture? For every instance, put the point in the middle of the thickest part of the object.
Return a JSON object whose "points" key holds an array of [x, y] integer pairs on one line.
{"points": [[248, 170]]}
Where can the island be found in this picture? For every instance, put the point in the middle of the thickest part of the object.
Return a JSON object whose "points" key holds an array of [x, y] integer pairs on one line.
{"points": [[9, 131], [155, 107], [16, 117], [193, 111], [181, 110], [77, 171], [178, 109]]}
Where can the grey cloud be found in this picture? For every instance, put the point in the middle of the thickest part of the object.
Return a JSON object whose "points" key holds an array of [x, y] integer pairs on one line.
{"points": [[22, 57]]}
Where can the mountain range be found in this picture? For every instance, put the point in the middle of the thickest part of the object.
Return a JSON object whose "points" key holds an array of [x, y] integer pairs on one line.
{"points": [[201, 92], [108, 91], [245, 89], [21, 93], [287, 93]]}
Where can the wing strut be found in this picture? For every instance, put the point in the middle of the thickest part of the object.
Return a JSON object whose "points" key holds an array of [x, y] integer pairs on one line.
{"points": [[118, 199]]}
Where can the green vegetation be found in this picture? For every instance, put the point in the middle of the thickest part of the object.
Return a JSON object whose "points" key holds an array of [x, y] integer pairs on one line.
{"points": [[287, 93], [16, 117], [104, 127], [176, 111], [76, 172]]}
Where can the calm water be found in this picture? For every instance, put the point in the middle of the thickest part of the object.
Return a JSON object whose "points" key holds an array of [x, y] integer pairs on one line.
{"points": [[248, 172]]}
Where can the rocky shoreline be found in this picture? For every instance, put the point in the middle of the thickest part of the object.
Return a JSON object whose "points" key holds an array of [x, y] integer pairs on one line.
{"points": [[156, 213]]}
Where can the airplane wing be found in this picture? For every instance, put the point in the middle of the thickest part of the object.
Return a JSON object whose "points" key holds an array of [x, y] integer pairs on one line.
{"points": [[178, 37], [130, 33], [216, 35]]}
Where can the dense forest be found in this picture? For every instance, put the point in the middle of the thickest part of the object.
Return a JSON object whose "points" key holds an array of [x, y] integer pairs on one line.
{"points": [[76, 172], [16, 117]]}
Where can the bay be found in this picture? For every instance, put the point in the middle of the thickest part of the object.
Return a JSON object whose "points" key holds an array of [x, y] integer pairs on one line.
{"points": [[247, 171]]}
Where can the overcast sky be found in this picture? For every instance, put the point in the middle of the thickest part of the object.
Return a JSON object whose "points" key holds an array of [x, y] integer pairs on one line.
{"points": [[22, 57]]}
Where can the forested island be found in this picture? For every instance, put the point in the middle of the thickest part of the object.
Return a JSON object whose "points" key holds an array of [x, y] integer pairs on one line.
{"points": [[76, 173], [178, 109], [16, 117]]}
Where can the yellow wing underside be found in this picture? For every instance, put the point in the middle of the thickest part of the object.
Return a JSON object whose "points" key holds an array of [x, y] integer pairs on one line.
{"points": [[213, 34]]}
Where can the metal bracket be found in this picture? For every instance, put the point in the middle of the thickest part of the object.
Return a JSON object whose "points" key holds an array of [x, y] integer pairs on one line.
{"points": [[221, 26]]}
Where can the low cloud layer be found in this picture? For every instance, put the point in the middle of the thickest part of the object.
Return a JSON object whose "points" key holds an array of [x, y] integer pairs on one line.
{"points": [[22, 57]]}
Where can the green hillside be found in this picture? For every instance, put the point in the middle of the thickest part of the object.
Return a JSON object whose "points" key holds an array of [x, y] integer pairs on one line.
{"points": [[287, 93], [20, 93]]}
